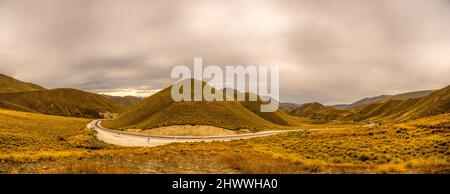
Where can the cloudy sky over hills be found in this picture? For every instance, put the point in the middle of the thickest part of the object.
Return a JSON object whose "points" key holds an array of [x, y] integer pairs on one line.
{"points": [[328, 51]]}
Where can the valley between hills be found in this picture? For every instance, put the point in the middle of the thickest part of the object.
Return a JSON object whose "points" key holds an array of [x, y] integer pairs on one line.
{"points": [[44, 131]]}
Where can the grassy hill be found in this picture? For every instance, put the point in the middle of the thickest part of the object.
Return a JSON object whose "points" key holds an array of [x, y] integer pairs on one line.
{"points": [[160, 110], [377, 99], [318, 112], [288, 107], [408, 95], [309, 108], [64, 102], [383, 108], [10, 85], [124, 101], [437, 102]]}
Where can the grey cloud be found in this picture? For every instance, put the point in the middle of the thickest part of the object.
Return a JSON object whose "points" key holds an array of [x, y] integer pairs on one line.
{"points": [[328, 51]]}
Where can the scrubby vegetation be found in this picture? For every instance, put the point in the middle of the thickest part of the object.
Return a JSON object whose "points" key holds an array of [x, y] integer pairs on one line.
{"points": [[400, 147]]}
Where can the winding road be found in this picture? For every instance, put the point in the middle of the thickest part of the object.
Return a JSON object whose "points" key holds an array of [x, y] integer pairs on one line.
{"points": [[127, 139]]}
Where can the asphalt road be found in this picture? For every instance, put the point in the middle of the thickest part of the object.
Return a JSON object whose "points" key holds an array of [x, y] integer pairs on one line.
{"points": [[126, 139]]}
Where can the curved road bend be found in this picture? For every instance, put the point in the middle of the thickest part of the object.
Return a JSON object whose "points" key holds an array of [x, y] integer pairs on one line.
{"points": [[126, 139]]}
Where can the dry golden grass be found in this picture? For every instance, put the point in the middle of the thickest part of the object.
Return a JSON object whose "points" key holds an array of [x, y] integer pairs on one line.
{"points": [[28, 132], [46, 144]]}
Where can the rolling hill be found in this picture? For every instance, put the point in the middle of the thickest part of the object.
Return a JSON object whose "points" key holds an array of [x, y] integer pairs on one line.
{"points": [[11, 85], [160, 110], [124, 101], [376, 99], [318, 112], [437, 102], [288, 107], [63, 102], [391, 108]]}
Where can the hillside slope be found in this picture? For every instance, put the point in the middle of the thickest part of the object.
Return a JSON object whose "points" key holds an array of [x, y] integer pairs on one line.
{"points": [[160, 110], [377, 99], [11, 85], [64, 102], [317, 111], [438, 102], [124, 101], [397, 108], [288, 107]]}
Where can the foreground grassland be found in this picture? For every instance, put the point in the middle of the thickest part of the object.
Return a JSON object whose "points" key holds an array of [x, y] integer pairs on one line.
{"points": [[24, 132], [33, 143]]}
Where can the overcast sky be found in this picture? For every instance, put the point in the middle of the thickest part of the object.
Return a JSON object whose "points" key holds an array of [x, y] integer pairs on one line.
{"points": [[328, 51]]}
